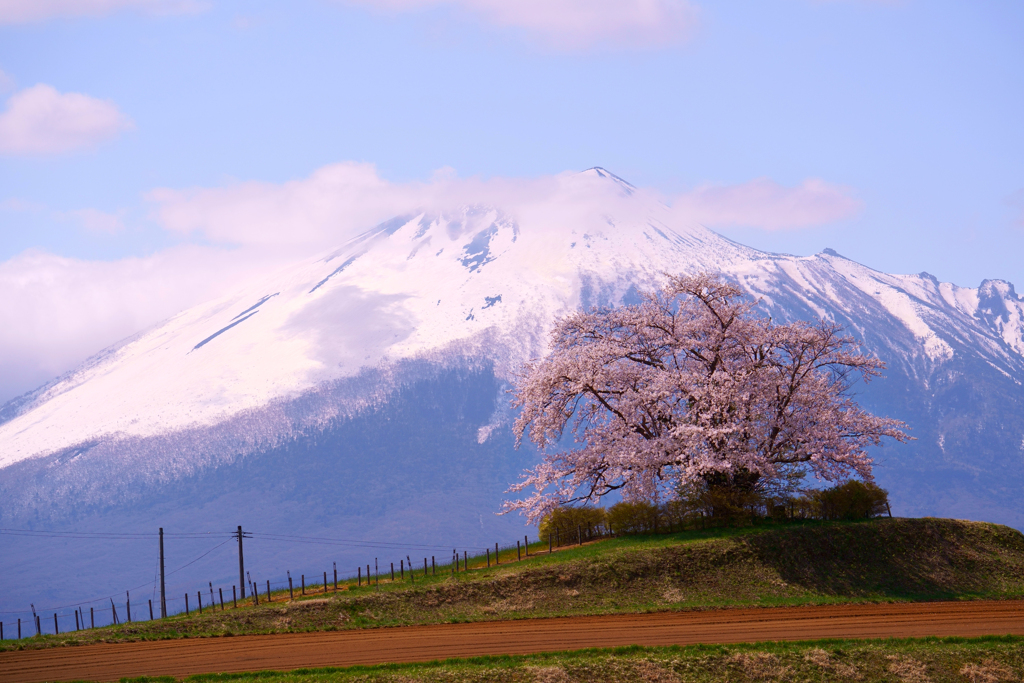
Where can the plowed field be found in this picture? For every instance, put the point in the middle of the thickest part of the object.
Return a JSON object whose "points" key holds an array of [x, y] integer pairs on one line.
{"points": [[109, 662]]}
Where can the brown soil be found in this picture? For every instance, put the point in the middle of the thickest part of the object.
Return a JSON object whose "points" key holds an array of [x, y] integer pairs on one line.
{"points": [[109, 662]]}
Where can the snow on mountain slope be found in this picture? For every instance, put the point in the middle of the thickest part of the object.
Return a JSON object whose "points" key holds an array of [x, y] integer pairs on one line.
{"points": [[483, 281], [924, 319], [408, 288]]}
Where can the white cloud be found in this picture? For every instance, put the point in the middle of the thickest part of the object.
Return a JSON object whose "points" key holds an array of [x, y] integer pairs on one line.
{"points": [[55, 312], [334, 200], [337, 200], [763, 203], [573, 24], [40, 120], [25, 11]]}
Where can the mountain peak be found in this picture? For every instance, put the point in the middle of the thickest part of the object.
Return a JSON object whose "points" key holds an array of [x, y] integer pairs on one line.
{"points": [[1000, 289], [598, 172]]}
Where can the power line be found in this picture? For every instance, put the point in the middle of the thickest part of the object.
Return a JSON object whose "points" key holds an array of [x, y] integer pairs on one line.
{"points": [[107, 535], [320, 540], [284, 538], [109, 597]]}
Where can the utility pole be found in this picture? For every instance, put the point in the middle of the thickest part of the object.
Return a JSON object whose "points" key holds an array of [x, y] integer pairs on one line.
{"points": [[163, 591], [241, 561]]}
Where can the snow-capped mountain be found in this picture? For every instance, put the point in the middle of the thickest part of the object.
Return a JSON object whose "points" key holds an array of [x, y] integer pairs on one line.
{"points": [[363, 388]]}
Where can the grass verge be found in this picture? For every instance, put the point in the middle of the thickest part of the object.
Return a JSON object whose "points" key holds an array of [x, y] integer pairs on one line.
{"points": [[930, 660]]}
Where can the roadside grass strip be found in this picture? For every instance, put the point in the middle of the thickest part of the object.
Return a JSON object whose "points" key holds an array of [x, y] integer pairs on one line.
{"points": [[926, 660]]}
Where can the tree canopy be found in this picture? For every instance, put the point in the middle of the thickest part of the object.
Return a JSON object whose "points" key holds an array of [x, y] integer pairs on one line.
{"points": [[691, 385]]}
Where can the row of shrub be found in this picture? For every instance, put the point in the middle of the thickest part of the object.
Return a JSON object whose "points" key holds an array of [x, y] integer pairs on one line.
{"points": [[850, 501]]}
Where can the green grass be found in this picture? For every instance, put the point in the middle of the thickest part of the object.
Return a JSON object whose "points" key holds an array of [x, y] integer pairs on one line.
{"points": [[772, 565], [976, 660]]}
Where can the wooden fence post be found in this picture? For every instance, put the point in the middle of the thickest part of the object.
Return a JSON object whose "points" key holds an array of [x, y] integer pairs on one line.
{"points": [[92, 618], [519, 555], [234, 597], [359, 576], [303, 584], [221, 591], [150, 614], [186, 604], [199, 599], [325, 583], [335, 577], [56, 631], [497, 558], [269, 599], [488, 558], [526, 544]]}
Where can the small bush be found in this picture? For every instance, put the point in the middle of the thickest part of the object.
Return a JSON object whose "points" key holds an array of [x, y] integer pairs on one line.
{"points": [[852, 500], [627, 519], [565, 523]]}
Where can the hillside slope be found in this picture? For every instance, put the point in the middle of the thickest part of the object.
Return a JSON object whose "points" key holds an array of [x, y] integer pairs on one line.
{"points": [[796, 564]]}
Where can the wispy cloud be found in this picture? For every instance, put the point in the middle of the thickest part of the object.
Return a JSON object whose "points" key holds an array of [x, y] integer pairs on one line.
{"points": [[572, 24], [55, 312], [765, 204], [1016, 200], [26, 11], [332, 202], [89, 219], [40, 120], [6, 82], [335, 201], [96, 221]]}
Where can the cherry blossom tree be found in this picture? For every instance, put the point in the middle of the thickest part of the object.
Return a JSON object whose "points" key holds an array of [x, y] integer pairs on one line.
{"points": [[691, 386]]}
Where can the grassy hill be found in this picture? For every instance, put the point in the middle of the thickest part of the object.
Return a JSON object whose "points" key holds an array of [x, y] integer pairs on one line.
{"points": [[792, 564]]}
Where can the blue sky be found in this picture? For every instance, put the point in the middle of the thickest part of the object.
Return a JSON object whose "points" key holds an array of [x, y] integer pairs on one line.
{"points": [[889, 131]]}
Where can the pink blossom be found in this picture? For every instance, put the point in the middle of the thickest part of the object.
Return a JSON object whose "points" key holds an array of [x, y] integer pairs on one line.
{"points": [[688, 383]]}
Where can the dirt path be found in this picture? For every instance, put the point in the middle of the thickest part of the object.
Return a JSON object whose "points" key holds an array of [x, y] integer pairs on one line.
{"points": [[108, 662]]}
